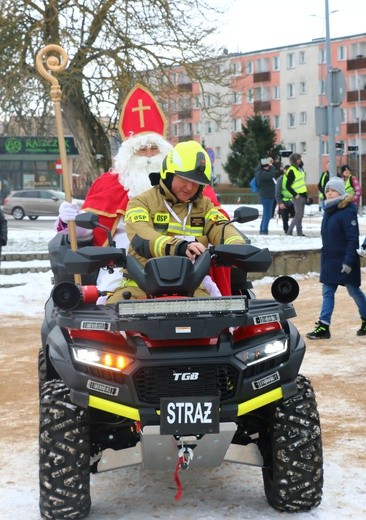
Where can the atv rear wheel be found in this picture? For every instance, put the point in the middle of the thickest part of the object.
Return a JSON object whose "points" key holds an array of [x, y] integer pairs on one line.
{"points": [[64, 455], [292, 452]]}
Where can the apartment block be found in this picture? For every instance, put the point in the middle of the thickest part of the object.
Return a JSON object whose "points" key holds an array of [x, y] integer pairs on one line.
{"points": [[286, 85]]}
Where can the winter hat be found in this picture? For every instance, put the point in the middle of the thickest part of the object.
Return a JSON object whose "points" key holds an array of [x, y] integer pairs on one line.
{"points": [[337, 184], [266, 161]]}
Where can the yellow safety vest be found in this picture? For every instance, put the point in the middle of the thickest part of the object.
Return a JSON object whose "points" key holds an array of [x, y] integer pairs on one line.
{"points": [[299, 184], [285, 194], [348, 186]]}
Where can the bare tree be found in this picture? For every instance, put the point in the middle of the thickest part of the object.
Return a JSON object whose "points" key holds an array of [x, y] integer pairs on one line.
{"points": [[112, 44]]}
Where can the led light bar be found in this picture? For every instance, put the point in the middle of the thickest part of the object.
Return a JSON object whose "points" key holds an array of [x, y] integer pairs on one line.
{"points": [[180, 306]]}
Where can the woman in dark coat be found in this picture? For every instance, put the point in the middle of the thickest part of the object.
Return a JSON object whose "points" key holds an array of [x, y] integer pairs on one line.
{"points": [[3, 230], [340, 262]]}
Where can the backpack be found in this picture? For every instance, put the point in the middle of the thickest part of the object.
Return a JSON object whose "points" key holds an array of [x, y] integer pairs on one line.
{"points": [[253, 185]]}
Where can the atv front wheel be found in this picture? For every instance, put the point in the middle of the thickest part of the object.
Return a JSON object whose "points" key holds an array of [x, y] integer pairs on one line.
{"points": [[292, 452], [64, 455]]}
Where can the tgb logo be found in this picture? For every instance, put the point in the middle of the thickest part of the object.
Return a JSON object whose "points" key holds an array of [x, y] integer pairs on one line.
{"points": [[185, 376]]}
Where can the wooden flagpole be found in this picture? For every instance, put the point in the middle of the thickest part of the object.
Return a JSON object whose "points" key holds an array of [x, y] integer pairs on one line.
{"points": [[58, 64]]}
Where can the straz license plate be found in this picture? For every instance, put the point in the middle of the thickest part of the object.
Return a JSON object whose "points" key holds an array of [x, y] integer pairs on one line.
{"points": [[189, 415]]}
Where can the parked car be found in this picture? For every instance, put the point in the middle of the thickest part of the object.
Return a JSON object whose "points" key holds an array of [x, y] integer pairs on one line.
{"points": [[34, 203]]}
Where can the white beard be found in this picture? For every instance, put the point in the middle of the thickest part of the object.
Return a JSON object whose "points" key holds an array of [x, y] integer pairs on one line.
{"points": [[138, 180]]}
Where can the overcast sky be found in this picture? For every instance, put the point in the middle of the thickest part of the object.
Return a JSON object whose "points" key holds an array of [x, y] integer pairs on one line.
{"points": [[250, 25]]}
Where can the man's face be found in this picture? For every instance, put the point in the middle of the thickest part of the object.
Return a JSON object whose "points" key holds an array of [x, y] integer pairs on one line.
{"points": [[148, 151], [184, 189], [143, 162]]}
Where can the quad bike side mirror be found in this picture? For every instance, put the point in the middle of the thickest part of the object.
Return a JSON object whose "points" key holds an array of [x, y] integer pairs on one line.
{"points": [[90, 220], [285, 289]]}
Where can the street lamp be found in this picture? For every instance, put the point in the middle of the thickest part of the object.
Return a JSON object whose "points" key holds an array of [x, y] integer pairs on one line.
{"points": [[328, 93], [330, 111]]}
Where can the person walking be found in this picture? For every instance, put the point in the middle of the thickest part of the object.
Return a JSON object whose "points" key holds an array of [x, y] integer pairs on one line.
{"points": [[3, 231], [284, 200], [266, 184], [339, 263], [352, 184], [296, 185]]}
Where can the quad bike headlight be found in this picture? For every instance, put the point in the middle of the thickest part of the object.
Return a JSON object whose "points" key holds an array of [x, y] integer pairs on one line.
{"points": [[101, 359], [263, 352]]}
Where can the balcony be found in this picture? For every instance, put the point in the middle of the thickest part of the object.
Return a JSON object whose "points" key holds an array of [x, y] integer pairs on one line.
{"points": [[185, 114], [352, 128], [262, 106], [185, 87], [183, 138], [357, 63], [352, 95], [259, 77]]}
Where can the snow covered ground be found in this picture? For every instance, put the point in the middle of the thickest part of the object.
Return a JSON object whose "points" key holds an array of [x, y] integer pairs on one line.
{"points": [[232, 491]]}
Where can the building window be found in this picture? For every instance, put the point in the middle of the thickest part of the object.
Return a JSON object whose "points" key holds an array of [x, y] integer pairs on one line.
{"points": [[302, 57], [276, 122], [250, 95], [236, 68], [302, 87], [322, 55], [342, 53], [325, 148], [197, 102], [290, 90], [249, 67], [276, 92], [218, 152], [262, 65], [276, 63], [343, 115], [208, 127], [322, 87], [291, 120], [303, 118], [303, 147], [358, 50], [237, 98], [208, 100], [292, 147], [291, 60], [237, 125], [197, 128]]}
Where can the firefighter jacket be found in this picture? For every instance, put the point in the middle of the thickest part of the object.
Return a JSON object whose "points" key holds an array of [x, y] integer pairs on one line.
{"points": [[157, 224]]}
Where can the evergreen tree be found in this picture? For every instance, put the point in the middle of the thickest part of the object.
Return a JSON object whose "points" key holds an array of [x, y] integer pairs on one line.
{"points": [[255, 141]]}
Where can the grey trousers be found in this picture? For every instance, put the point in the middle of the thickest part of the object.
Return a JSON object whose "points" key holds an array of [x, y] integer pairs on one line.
{"points": [[299, 205]]}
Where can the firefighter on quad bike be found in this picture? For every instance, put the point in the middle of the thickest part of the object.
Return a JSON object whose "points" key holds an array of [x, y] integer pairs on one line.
{"points": [[174, 217]]}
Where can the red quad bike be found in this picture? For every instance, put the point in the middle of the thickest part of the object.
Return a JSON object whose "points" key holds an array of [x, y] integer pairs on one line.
{"points": [[174, 382]]}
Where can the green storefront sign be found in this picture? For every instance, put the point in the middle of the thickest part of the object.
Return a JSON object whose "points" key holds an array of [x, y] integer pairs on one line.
{"points": [[35, 145]]}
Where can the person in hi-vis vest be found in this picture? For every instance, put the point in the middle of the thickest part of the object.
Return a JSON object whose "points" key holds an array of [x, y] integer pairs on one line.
{"points": [[284, 200], [296, 185]]}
